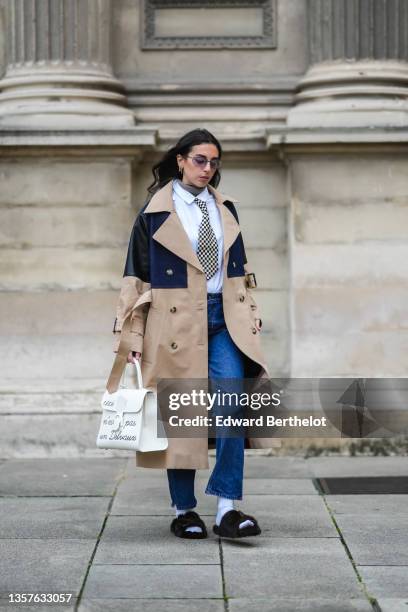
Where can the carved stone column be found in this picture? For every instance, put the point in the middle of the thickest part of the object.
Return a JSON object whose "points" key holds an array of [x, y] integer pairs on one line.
{"points": [[358, 75], [59, 71]]}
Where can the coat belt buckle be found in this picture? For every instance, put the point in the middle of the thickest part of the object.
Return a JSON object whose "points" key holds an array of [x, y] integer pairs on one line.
{"points": [[250, 280]]}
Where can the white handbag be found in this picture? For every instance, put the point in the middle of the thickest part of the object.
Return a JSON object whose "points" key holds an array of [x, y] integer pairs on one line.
{"points": [[129, 418]]}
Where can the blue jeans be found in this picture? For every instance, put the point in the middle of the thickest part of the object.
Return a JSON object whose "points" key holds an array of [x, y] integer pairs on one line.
{"points": [[225, 361]]}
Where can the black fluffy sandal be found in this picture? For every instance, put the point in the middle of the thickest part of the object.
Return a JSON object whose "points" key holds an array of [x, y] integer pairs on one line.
{"points": [[188, 519], [229, 525]]}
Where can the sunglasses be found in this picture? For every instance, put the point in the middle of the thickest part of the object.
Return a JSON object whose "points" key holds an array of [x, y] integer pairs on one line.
{"points": [[201, 161]]}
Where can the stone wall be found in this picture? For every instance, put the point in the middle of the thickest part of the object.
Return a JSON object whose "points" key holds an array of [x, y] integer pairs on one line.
{"points": [[349, 220], [314, 126]]}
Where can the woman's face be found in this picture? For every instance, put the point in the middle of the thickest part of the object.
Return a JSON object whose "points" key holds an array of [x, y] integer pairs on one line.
{"points": [[194, 174]]}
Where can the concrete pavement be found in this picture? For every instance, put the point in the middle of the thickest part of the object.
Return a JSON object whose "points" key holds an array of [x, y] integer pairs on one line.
{"points": [[99, 528]]}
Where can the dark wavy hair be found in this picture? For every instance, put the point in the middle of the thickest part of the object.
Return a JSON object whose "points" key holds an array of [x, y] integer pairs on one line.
{"points": [[167, 169]]}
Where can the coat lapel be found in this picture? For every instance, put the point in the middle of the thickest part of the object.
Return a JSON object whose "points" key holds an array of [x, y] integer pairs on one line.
{"points": [[172, 235]]}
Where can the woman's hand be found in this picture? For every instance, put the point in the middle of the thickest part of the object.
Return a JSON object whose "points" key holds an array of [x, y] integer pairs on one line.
{"points": [[132, 356]]}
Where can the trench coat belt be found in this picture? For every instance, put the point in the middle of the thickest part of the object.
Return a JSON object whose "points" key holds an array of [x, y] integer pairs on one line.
{"points": [[121, 356]]}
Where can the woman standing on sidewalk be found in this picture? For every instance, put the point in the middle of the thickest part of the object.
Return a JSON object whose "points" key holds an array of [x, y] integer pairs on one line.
{"points": [[187, 290]]}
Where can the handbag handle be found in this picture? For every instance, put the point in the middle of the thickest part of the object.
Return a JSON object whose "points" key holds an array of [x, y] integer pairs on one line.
{"points": [[138, 374]]}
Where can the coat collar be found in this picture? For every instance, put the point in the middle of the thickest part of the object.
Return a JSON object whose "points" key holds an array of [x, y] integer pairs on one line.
{"points": [[171, 232]]}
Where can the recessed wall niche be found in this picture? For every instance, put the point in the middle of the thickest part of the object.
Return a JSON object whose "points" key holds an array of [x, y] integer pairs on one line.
{"points": [[194, 24]]}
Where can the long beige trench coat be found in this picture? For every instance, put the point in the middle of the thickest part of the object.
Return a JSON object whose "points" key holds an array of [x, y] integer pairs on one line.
{"points": [[162, 313]]}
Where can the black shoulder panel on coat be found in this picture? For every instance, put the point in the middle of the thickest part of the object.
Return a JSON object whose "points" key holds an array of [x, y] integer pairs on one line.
{"points": [[137, 260], [231, 207], [239, 243]]}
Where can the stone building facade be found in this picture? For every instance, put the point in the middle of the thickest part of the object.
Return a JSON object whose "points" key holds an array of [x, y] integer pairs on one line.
{"points": [[309, 100]]}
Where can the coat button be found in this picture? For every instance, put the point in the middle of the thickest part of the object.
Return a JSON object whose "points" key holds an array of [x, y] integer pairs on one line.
{"points": [[253, 307], [169, 271], [234, 264], [241, 298], [254, 330], [174, 345], [173, 309]]}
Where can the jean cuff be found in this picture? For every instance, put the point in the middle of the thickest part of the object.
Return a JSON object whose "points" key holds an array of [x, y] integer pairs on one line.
{"points": [[184, 506], [210, 491]]}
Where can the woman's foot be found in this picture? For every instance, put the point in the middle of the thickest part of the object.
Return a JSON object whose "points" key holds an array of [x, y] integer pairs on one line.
{"points": [[225, 505], [189, 525], [236, 524], [189, 529]]}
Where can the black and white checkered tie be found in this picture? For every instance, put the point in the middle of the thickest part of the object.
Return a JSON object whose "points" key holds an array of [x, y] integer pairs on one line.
{"points": [[207, 248]]}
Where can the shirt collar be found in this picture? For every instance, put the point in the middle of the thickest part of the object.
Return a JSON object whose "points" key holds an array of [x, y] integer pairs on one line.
{"points": [[189, 197]]}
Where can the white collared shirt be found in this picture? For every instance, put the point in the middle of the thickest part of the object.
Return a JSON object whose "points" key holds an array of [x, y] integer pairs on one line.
{"points": [[191, 216]]}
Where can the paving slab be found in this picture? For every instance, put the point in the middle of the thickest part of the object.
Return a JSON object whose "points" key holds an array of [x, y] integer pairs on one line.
{"points": [[154, 581], [148, 540], [292, 604], [151, 605], [372, 538], [372, 503], [73, 476], [52, 517], [279, 515], [374, 543], [277, 467], [152, 498], [62, 607], [386, 582], [279, 486], [282, 567], [357, 466], [393, 604], [43, 566], [143, 496]]}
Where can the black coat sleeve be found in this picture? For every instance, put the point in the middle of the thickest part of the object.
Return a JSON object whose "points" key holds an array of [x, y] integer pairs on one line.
{"points": [[137, 260], [135, 282]]}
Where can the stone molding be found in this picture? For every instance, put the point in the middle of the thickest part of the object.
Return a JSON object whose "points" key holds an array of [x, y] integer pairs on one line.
{"points": [[358, 75], [58, 71]]}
